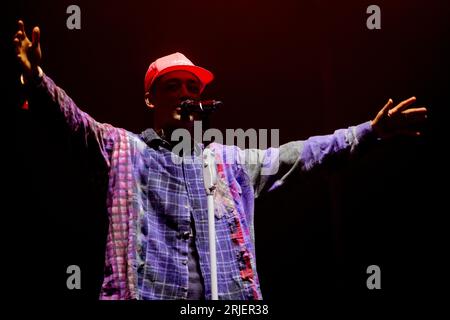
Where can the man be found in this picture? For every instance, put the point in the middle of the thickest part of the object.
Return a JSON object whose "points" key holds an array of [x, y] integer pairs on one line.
{"points": [[157, 244]]}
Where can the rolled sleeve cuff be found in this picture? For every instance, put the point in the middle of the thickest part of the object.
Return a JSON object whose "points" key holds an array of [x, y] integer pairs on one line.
{"points": [[364, 132]]}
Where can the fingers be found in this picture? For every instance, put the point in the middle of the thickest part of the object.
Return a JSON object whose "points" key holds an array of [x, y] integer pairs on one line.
{"points": [[28, 52], [19, 37], [400, 120], [419, 111], [415, 116], [21, 26], [410, 133], [36, 37], [402, 105], [20, 34], [387, 106]]}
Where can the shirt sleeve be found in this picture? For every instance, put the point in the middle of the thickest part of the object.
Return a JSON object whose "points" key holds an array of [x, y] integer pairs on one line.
{"points": [[268, 169], [53, 106]]}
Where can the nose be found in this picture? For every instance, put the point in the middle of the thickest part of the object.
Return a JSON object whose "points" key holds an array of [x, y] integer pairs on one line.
{"points": [[185, 93]]}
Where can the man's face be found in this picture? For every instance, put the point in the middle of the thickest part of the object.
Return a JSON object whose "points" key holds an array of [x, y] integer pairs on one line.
{"points": [[168, 92]]}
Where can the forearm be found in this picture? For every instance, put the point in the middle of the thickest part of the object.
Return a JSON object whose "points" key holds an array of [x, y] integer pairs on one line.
{"points": [[316, 150], [54, 107], [276, 165]]}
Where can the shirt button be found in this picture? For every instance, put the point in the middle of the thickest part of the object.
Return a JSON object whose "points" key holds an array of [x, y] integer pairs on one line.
{"points": [[185, 262]]}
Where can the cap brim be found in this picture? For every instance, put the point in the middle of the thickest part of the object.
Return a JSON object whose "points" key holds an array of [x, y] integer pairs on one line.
{"points": [[202, 74]]}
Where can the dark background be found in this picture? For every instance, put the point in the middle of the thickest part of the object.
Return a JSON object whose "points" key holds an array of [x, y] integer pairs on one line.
{"points": [[304, 67]]}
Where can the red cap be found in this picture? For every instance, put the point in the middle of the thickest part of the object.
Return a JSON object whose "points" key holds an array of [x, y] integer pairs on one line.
{"points": [[172, 62]]}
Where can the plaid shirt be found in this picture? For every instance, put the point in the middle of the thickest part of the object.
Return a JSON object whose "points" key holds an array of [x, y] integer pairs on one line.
{"points": [[151, 200]]}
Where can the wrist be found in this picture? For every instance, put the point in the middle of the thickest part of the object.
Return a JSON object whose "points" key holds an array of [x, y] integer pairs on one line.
{"points": [[33, 76], [379, 131]]}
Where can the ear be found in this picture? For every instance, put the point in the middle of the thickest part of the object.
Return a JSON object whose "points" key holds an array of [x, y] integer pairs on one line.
{"points": [[147, 100]]}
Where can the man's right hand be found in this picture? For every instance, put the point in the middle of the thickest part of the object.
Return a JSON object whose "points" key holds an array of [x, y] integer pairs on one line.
{"points": [[28, 52]]}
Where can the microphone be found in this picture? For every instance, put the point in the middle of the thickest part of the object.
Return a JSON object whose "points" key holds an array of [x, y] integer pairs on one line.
{"points": [[200, 106]]}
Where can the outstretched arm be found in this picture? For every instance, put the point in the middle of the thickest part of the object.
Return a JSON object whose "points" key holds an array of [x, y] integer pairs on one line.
{"points": [[47, 99], [269, 168]]}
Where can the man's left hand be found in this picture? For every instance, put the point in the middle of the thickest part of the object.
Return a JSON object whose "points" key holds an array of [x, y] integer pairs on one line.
{"points": [[399, 120]]}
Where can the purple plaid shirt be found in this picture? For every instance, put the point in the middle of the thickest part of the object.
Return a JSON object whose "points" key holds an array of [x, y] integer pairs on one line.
{"points": [[151, 200]]}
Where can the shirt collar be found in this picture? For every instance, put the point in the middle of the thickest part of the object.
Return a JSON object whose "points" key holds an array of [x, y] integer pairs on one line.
{"points": [[152, 139]]}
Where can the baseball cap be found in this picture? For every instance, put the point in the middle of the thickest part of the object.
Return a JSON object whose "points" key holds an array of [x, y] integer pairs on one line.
{"points": [[175, 61]]}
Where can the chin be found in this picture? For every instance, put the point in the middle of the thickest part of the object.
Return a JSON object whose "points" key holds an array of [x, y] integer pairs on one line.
{"points": [[177, 118]]}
